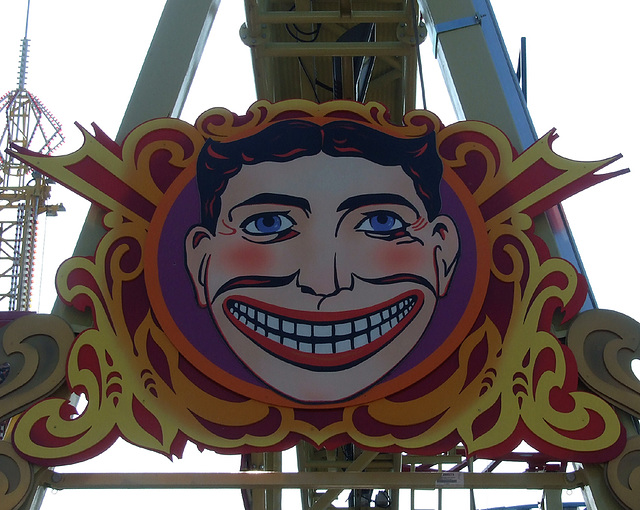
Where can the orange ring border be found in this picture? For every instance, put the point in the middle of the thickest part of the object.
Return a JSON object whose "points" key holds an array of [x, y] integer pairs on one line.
{"points": [[267, 395]]}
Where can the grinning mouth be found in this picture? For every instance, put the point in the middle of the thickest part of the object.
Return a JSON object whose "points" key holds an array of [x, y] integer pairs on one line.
{"points": [[322, 340]]}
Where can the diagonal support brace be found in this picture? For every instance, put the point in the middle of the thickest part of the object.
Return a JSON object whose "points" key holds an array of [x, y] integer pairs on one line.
{"points": [[456, 24]]}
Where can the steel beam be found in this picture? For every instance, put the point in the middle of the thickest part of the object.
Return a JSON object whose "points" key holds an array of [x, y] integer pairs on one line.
{"points": [[290, 17], [287, 66], [305, 480], [483, 86], [177, 45], [335, 49], [357, 466], [476, 66]]}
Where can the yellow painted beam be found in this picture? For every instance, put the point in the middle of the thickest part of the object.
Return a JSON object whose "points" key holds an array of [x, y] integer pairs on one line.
{"points": [[307, 480], [298, 17], [334, 49], [357, 466]]}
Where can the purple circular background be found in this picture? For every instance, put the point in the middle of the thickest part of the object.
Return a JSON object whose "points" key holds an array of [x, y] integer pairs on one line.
{"points": [[198, 327]]}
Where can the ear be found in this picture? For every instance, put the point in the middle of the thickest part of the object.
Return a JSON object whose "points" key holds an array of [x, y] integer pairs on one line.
{"points": [[446, 251], [197, 247]]}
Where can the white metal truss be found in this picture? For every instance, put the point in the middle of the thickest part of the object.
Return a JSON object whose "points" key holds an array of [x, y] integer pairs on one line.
{"points": [[23, 193]]}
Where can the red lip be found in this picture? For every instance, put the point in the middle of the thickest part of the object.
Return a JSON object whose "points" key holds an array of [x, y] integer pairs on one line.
{"points": [[322, 340]]}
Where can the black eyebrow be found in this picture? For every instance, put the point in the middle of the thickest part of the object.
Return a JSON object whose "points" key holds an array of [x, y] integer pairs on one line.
{"points": [[275, 199], [352, 203]]}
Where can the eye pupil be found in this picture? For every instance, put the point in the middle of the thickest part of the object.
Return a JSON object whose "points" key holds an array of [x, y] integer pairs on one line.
{"points": [[382, 222], [268, 223]]}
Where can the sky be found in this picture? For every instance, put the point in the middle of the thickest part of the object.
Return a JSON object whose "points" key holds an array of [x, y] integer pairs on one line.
{"points": [[85, 57]]}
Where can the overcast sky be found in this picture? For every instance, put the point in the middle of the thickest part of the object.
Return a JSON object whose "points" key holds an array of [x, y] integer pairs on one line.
{"points": [[85, 56]]}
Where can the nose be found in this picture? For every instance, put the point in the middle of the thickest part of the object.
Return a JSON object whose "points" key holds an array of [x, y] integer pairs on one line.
{"points": [[323, 274]]}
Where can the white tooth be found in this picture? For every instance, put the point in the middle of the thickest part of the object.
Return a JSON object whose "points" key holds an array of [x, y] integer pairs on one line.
{"points": [[394, 309], [243, 308], [322, 330], [261, 317], [361, 324], [374, 334], [273, 322], [343, 346], [394, 322], [288, 327], [260, 331], [289, 342], [344, 328], [385, 314], [275, 338], [376, 318], [305, 347], [385, 328], [243, 319], [360, 341], [252, 312], [324, 348], [303, 329], [236, 314]]}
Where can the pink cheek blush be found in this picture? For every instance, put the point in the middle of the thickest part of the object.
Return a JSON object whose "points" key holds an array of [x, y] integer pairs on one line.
{"points": [[245, 260], [398, 259]]}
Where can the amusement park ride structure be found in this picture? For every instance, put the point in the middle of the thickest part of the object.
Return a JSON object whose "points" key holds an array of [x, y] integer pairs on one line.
{"points": [[319, 50], [23, 193]]}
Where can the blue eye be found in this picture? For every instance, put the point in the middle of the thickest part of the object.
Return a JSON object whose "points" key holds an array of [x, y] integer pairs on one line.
{"points": [[381, 222], [267, 223]]}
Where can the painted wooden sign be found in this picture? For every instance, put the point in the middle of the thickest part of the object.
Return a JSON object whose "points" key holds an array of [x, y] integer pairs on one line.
{"points": [[313, 272]]}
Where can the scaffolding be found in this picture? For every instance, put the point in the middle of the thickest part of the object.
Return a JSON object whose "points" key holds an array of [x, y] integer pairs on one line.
{"points": [[23, 193]]}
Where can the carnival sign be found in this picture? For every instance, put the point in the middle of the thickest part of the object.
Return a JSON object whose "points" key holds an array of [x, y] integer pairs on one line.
{"points": [[314, 272]]}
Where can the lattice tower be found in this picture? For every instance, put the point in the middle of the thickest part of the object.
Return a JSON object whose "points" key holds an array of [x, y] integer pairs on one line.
{"points": [[23, 192]]}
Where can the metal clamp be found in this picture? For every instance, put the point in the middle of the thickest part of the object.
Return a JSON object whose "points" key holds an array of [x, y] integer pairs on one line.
{"points": [[407, 34], [250, 39], [448, 26]]}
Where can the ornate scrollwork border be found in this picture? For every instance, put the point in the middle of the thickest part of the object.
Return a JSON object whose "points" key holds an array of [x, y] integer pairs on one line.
{"points": [[510, 380]]}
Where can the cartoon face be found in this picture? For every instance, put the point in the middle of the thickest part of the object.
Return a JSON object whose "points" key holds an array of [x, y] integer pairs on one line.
{"points": [[323, 272]]}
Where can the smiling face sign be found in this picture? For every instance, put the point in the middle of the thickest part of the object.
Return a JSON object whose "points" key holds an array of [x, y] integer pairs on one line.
{"points": [[313, 272], [317, 262], [321, 264]]}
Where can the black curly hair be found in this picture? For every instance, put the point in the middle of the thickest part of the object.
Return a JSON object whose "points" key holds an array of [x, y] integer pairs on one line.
{"points": [[291, 139]]}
